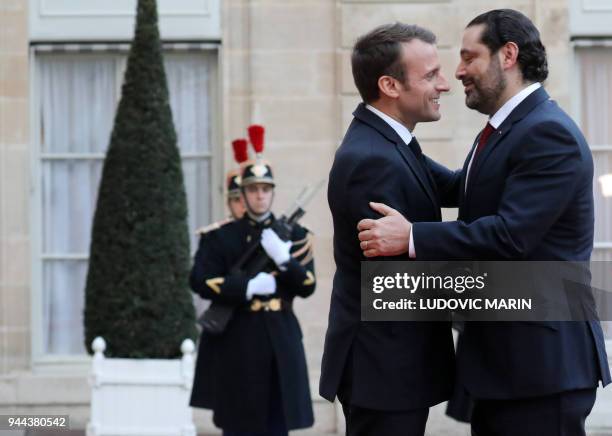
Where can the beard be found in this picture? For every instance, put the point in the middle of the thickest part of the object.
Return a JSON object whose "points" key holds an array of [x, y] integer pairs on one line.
{"points": [[487, 91]]}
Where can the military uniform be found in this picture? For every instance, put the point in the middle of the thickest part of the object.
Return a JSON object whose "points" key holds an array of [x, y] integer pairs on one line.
{"points": [[261, 346]]}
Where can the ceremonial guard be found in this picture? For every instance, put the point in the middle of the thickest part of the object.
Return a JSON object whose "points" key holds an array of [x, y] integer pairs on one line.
{"points": [[252, 370], [235, 202]]}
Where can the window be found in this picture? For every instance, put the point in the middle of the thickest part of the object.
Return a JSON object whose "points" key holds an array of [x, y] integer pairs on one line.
{"points": [[595, 90], [76, 97]]}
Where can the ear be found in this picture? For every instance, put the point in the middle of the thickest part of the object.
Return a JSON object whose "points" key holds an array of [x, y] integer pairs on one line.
{"points": [[387, 86], [509, 55]]}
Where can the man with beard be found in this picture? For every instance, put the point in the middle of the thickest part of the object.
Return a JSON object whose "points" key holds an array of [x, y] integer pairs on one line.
{"points": [[525, 194], [386, 375]]}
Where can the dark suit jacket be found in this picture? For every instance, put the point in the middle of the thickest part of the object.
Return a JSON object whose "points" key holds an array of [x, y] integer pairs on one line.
{"points": [[529, 197], [390, 366]]}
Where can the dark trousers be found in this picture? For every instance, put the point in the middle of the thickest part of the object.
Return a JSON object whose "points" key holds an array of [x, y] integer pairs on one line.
{"points": [[369, 422], [560, 414], [276, 415]]}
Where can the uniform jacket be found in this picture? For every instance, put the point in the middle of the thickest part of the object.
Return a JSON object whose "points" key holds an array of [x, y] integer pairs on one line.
{"points": [[234, 369]]}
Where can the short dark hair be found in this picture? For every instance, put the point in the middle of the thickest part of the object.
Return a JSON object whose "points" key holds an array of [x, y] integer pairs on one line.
{"points": [[507, 25], [378, 53]]}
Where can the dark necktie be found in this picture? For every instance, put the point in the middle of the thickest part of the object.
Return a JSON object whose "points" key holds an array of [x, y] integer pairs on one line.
{"points": [[484, 136], [415, 147]]}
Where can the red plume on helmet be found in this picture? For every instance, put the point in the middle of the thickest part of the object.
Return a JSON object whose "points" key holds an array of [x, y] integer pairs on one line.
{"points": [[240, 150], [259, 171], [256, 135]]}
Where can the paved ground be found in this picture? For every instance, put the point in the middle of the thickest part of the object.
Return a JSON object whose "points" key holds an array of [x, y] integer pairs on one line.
{"points": [[82, 433], [52, 433]]}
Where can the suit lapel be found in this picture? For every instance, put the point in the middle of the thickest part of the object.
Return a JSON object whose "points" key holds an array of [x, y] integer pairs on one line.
{"points": [[417, 169], [534, 99], [464, 173], [493, 141], [365, 115]]}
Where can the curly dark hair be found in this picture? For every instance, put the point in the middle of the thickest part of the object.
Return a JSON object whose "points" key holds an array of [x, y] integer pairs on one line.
{"points": [[377, 54], [507, 25]]}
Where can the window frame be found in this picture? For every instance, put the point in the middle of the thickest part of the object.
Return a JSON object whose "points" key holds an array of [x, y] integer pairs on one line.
{"points": [[63, 363], [576, 107]]}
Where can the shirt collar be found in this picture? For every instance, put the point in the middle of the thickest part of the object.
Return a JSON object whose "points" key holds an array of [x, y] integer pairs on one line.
{"points": [[500, 116], [399, 128], [259, 220]]}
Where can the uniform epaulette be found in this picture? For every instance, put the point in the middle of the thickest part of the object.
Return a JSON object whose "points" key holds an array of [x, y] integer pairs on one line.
{"points": [[214, 226]]}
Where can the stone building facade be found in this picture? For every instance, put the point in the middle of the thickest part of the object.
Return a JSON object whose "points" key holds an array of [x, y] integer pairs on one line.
{"points": [[284, 64]]}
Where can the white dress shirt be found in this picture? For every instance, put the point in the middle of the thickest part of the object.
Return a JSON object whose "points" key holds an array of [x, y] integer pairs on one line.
{"points": [[399, 128], [500, 116], [496, 120]]}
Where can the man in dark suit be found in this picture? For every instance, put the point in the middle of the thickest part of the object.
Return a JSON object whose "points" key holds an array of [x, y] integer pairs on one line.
{"points": [[525, 194], [386, 375]]}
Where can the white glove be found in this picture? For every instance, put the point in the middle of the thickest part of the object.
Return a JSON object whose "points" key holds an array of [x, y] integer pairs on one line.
{"points": [[262, 284], [275, 247]]}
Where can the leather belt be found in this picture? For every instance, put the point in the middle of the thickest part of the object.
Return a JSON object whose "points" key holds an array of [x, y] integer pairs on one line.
{"points": [[272, 305]]}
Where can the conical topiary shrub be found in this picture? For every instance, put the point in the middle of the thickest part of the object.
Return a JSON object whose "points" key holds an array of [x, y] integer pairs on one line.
{"points": [[137, 295]]}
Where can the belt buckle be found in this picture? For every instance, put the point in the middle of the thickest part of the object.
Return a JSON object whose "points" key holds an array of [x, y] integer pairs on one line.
{"points": [[256, 305], [274, 304]]}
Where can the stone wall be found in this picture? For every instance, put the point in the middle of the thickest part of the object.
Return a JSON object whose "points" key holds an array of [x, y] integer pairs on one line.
{"points": [[15, 255], [279, 67]]}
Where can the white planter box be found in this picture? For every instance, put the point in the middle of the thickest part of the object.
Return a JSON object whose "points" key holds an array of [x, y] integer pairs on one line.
{"points": [[143, 397]]}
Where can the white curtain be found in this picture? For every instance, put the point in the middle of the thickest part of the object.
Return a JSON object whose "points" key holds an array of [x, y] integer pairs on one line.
{"points": [[78, 96], [188, 83], [596, 119]]}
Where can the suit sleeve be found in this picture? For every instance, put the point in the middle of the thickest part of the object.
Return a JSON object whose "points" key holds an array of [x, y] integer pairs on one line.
{"points": [[375, 179], [448, 183], [210, 277], [299, 276], [538, 189]]}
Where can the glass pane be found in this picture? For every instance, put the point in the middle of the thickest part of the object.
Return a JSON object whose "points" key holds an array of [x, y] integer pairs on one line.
{"points": [[63, 302], [69, 191], [198, 188], [78, 97], [188, 77], [596, 92], [603, 205], [605, 280]]}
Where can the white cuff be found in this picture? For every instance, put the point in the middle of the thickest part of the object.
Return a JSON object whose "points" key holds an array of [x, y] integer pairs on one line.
{"points": [[411, 253]]}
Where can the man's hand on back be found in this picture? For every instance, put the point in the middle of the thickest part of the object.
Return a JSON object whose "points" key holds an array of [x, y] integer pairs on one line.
{"points": [[386, 236]]}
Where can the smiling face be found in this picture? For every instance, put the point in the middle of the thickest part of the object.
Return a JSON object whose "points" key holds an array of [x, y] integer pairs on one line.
{"points": [[481, 73], [419, 97]]}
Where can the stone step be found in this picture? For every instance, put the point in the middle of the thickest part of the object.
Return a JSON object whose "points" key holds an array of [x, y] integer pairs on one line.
{"points": [[326, 418]]}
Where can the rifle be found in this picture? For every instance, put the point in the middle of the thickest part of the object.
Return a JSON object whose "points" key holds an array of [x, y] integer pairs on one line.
{"points": [[255, 258], [214, 320]]}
